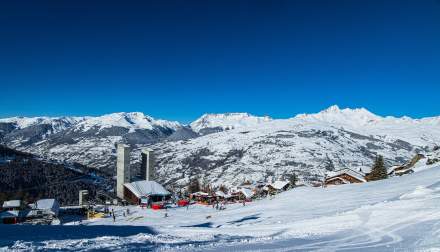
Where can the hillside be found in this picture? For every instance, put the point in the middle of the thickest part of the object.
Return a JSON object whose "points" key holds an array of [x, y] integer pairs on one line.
{"points": [[308, 144], [234, 147], [387, 215], [27, 177]]}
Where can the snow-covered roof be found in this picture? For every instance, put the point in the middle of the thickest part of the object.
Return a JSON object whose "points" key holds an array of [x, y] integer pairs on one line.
{"points": [[200, 194], [220, 194], [146, 188], [46, 204], [9, 214], [11, 203], [247, 192], [358, 175], [339, 178], [279, 184]]}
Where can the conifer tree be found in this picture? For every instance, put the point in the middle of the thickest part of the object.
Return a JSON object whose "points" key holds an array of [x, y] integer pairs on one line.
{"points": [[378, 171], [194, 185], [293, 179]]}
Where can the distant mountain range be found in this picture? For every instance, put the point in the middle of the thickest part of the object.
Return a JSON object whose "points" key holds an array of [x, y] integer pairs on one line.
{"points": [[229, 148]]}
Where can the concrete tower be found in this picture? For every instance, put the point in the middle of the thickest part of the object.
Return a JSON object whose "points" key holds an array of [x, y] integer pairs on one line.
{"points": [[122, 169], [147, 165]]}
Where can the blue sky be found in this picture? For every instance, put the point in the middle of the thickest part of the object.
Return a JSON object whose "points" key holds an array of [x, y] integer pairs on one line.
{"points": [[179, 59]]}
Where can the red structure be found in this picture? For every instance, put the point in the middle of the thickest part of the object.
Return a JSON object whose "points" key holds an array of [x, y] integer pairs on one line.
{"points": [[182, 203]]}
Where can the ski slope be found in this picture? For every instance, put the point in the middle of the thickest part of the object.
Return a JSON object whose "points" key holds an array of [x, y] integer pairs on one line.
{"points": [[398, 214]]}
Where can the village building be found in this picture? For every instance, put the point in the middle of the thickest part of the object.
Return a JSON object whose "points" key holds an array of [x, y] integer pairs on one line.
{"points": [[345, 176], [241, 193], [145, 192], [277, 186], [201, 197], [43, 211], [44, 208], [12, 212]]}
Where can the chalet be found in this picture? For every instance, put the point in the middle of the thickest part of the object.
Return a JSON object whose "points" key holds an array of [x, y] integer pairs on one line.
{"points": [[221, 195], [241, 192], [145, 192], [277, 186], [48, 208], [12, 212], [202, 197], [345, 176]]}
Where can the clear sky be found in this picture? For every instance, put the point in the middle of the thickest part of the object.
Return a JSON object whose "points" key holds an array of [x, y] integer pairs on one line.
{"points": [[179, 59]]}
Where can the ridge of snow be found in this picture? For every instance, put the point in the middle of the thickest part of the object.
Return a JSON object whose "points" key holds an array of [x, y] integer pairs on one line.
{"points": [[131, 120], [228, 121], [24, 122], [334, 114]]}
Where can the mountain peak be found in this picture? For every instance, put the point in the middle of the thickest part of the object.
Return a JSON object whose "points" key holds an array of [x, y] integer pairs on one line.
{"points": [[347, 116], [331, 109], [131, 120], [227, 121]]}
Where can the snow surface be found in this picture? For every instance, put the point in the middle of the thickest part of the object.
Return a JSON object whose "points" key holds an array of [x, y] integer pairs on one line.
{"points": [[24, 122], [228, 121], [253, 148], [132, 120], [308, 144], [397, 214]]}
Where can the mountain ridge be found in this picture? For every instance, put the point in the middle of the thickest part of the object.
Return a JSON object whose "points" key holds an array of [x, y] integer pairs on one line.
{"points": [[232, 147]]}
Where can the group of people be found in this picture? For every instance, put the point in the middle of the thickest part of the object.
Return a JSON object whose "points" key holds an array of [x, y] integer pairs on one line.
{"points": [[125, 213], [219, 205]]}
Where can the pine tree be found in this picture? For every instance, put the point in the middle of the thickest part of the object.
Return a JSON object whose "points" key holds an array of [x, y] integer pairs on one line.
{"points": [[293, 179], [378, 171], [194, 185]]}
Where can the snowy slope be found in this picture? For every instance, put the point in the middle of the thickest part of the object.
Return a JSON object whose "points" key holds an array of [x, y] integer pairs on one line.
{"points": [[22, 131], [132, 121], [88, 140], [421, 132], [309, 145], [59, 123], [230, 148], [227, 121], [398, 214]]}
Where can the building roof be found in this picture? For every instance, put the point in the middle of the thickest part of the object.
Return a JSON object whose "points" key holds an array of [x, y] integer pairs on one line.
{"points": [[279, 184], [200, 194], [220, 194], [357, 175], [11, 203], [9, 214], [247, 192], [46, 204], [144, 188]]}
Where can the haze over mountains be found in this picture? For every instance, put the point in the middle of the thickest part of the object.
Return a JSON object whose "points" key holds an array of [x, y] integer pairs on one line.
{"points": [[229, 148]]}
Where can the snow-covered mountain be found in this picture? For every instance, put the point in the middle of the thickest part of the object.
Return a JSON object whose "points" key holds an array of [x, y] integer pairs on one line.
{"points": [[87, 140], [230, 148], [309, 145], [24, 131], [211, 123]]}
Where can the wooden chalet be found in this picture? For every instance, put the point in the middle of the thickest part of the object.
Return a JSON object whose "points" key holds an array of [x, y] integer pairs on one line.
{"points": [[145, 192], [12, 212], [345, 176]]}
